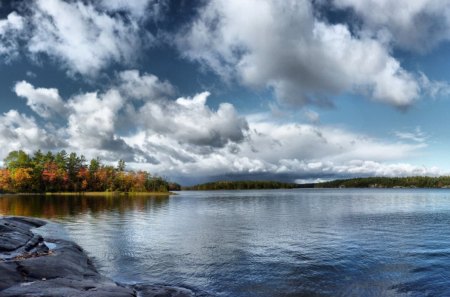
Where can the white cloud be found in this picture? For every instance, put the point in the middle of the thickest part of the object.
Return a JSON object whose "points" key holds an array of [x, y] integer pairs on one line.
{"points": [[18, 131], [434, 89], [97, 122], [295, 151], [82, 37], [359, 168], [312, 116], [140, 9], [9, 29], [412, 25], [417, 135], [87, 122], [282, 45], [187, 119], [191, 120], [145, 87], [44, 102], [185, 137], [272, 142], [30, 73], [93, 118]]}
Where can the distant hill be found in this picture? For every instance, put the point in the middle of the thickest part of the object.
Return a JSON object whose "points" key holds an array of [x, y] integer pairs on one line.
{"points": [[389, 182], [242, 185]]}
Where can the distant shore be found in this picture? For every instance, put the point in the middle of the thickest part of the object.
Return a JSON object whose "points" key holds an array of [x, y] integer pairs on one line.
{"points": [[242, 185], [409, 182]]}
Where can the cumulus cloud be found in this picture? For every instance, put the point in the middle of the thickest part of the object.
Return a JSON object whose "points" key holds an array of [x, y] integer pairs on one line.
{"points": [[356, 168], [145, 86], [92, 127], [272, 142], [82, 37], [44, 102], [186, 119], [98, 122], [18, 131], [87, 122], [412, 25], [191, 120], [284, 46], [280, 45], [184, 137], [92, 119], [286, 151]]}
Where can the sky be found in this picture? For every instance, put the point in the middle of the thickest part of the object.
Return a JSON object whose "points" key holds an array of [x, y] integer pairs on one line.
{"points": [[198, 91]]}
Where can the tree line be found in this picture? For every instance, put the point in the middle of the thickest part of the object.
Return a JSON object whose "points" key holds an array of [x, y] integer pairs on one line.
{"points": [[389, 182], [242, 185], [69, 172]]}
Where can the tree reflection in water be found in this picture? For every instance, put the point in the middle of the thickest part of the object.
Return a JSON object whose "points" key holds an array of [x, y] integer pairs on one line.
{"points": [[58, 206]]}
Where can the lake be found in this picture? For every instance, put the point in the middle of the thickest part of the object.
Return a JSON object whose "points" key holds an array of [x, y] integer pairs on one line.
{"points": [[304, 242]]}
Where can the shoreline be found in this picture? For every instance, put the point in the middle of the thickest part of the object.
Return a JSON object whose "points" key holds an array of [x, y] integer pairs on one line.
{"points": [[33, 266], [93, 194]]}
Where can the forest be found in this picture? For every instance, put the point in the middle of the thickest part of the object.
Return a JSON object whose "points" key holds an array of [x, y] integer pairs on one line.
{"points": [[389, 182], [242, 185], [69, 172]]}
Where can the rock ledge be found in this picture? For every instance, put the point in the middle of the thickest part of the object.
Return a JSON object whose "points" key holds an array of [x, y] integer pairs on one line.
{"points": [[33, 266]]}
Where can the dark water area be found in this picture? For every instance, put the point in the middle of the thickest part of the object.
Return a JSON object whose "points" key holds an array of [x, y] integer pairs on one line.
{"points": [[305, 242]]}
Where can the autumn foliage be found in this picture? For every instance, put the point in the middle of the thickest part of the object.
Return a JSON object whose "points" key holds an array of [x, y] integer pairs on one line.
{"points": [[62, 172]]}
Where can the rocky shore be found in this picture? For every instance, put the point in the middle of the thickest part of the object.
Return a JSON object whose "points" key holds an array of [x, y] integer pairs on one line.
{"points": [[31, 265]]}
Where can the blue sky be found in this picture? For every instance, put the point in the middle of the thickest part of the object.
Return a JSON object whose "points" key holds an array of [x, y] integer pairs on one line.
{"points": [[198, 91]]}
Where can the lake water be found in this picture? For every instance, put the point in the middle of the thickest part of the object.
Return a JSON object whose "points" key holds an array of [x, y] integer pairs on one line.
{"points": [[305, 242]]}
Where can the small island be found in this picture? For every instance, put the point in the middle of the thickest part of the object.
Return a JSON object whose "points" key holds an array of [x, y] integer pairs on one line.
{"points": [[69, 173]]}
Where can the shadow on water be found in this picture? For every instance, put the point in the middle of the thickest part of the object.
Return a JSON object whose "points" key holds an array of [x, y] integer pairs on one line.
{"points": [[58, 206]]}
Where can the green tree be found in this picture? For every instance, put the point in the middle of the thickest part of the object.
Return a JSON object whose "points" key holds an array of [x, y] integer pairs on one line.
{"points": [[121, 165], [17, 159], [61, 160]]}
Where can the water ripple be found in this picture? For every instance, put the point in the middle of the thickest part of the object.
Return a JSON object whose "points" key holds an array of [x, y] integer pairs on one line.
{"points": [[263, 243]]}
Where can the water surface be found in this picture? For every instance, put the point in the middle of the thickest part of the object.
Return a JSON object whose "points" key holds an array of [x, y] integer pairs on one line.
{"points": [[302, 242]]}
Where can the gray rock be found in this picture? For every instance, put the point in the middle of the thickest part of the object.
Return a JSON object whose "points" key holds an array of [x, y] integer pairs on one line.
{"points": [[29, 268], [9, 275], [63, 287], [162, 291]]}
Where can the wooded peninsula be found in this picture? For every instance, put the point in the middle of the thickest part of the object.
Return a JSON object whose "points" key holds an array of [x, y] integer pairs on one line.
{"points": [[68, 172]]}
